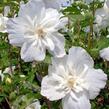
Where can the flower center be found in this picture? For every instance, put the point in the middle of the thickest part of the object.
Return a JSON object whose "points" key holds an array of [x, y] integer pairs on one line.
{"points": [[70, 82], [40, 32]]}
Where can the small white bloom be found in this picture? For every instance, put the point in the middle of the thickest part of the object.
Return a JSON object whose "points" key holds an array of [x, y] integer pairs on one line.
{"points": [[3, 22], [6, 71], [104, 53], [22, 76], [9, 70], [35, 30], [35, 105], [73, 79]]}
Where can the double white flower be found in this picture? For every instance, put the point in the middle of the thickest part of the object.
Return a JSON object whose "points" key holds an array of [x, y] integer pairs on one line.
{"points": [[35, 30], [73, 79]]}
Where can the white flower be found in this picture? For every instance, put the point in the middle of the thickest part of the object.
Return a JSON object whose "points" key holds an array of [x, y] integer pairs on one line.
{"points": [[104, 53], [73, 79], [35, 30], [102, 16], [3, 22], [35, 105]]}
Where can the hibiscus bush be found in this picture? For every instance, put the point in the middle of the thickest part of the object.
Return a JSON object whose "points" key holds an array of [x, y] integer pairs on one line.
{"points": [[54, 54]]}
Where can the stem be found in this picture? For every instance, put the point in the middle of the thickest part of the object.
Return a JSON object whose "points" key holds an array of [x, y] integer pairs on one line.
{"points": [[90, 35], [93, 15], [9, 55], [89, 41], [8, 103], [68, 23], [20, 63], [93, 11], [79, 28], [48, 103]]}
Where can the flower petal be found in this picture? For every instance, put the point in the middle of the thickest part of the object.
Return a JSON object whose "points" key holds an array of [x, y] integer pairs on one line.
{"points": [[96, 80], [104, 53], [77, 58], [59, 61], [19, 30], [53, 20], [59, 41], [31, 8], [31, 52], [48, 43], [51, 88], [82, 103], [18, 41]]}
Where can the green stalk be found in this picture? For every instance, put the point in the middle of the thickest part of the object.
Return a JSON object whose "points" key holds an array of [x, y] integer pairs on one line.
{"points": [[90, 35]]}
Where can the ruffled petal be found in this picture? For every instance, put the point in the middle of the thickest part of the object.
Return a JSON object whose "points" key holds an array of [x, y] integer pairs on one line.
{"points": [[96, 80], [18, 41], [82, 103], [51, 87], [53, 20], [77, 58], [59, 41], [31, 52], [32, 9]]}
